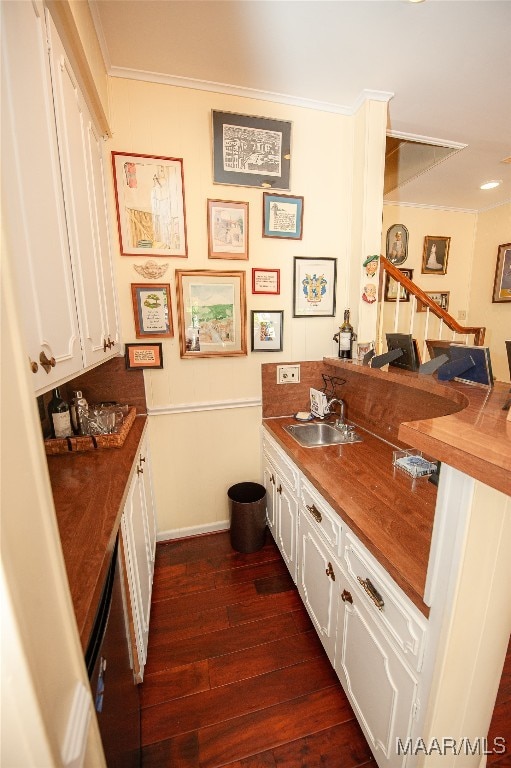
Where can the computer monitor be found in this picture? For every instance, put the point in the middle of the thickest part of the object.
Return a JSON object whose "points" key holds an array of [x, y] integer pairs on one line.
{"points": [[410, 359]]}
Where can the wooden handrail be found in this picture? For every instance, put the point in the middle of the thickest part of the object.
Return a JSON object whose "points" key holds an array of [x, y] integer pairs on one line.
{"points": [[450, 322]]}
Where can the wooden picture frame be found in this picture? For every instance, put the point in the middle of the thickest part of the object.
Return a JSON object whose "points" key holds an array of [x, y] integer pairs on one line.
{"points": [[314, 287], [227, 229], [143, 356], [282, 216], [435, 254], [267, 330], [502, 281], [439, 297], [266, 281], [149, 198], [211, 313], [152, 310], [390, 290], [397, 244]]}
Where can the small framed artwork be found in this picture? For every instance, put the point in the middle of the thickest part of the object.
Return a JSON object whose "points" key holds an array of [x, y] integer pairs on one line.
{"points": [[266, 330], [434, 255], [227, 229], [314, 284], [251, 151], [397, 244], [391, 286], [266, 281], [152, 310], [143, 356], [149, 196], [502, 282], [212, 313], [439, 297], [282, 216]]}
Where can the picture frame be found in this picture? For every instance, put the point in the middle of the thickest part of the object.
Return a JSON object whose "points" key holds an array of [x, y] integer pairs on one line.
{"points": [[314, 287], [266, 281], [435, 254], [227, 229], [410, 359], [251, 151], [266, 330], [502, 282], [437, 347], [147, 355], [211, 313], [282, 216], [390, 290], [150, 204], [397, 244], [152, 310], [439, 297]]}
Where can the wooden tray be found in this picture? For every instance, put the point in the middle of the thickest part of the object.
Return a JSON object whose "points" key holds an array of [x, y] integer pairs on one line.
{"points": [[91, 442]]}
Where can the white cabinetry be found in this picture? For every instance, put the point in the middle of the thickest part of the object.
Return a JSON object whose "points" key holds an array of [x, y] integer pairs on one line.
{"points": [[138, 527]]}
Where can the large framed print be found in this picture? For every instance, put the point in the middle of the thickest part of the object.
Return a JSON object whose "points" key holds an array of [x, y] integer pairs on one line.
{"points": [[151, 310], [149, 196], [251, 151], [227, 229], [314, 284], [266, 281], [282, 216], [266, 330], [212, 313], [502, 282]]}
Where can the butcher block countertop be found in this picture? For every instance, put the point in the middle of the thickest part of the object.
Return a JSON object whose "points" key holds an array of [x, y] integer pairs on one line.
{"points": [[89, 491]]}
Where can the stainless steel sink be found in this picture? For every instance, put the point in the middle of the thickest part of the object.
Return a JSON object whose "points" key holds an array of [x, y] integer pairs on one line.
{"points": [[321, 433]]}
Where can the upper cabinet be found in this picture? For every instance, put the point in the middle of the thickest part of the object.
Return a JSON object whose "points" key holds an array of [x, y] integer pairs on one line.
{"points": [[53, 204]]}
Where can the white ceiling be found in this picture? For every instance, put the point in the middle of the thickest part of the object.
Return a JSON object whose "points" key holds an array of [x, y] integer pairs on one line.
{"points": [[446, 62]]}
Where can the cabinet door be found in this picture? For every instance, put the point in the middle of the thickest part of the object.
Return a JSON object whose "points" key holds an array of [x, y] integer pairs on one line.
{"points": [[84, 194], [144, 463], [287, 523], [318, 583], [269, 473], [32, 202], [380, 687]]}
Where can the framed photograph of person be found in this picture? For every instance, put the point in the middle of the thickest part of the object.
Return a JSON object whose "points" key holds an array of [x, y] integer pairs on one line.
{"points": [[282, 216], [251, 151], [227, 229], [502, 282], [391, 287], [266, 330], [314, 283], [434, 255], [397, 244], [439, 297]]}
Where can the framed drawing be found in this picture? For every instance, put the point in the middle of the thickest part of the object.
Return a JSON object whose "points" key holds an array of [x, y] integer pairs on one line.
{"points": [[390, 291], [266, 330], [314, 283], [282, 216], [149, 196], [227, 229], [439, 297], [143, 356], [251, 151], [266, 281], [152, 310], [434, 255], [397, 244], [211, 312], [502, 282]]}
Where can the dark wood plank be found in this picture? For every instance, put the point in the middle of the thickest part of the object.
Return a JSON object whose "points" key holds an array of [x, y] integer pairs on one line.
{"points": [[174, 683], [274, 584], [184, 605], [344, 747], [167, 627], [171, 584], [181, 752], [262, 760], [264, 606], [500, 728], [258, 571]]}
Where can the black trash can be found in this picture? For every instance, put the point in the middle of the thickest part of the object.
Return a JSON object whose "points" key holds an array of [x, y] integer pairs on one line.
{"points": [[247, 502]]}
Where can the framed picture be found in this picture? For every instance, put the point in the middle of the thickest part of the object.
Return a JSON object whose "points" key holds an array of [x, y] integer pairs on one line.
{"points": [[266, 281], [212, 313], [439, 297], [502, 283], [152, 310], [434, 255], [227, 229], [314, 283], [143, 356], [390, 291], [251, 151], [397, 244], [282, 216], [410, 358], [266, 330], [149, 196]]}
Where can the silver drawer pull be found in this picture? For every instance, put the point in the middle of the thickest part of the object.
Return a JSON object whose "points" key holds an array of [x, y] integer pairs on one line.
{"points": [[372, 592], [316, 514]]}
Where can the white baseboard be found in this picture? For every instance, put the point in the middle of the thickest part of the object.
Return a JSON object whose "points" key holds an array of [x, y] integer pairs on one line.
{"points": [[194, 530]]}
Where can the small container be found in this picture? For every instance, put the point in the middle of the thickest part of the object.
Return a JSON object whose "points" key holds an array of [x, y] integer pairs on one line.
{"points": [[413, 463]]}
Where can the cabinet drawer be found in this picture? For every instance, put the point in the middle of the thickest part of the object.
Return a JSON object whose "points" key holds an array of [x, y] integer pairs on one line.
{"points": [[388, 605], [322, 516], [283, 465]]}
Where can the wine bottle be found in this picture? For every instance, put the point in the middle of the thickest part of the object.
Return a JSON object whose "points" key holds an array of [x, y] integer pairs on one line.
{"points": [[60, 419], [346, 337]]}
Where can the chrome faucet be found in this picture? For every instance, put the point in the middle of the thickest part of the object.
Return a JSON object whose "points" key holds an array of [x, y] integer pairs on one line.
{"points": [[340, 418]]}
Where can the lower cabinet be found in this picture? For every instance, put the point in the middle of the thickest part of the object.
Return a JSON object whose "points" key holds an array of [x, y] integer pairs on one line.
{"points": [[138, 528], [280, 479]]}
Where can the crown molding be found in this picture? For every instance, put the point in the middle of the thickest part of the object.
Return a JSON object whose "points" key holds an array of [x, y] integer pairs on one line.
{"points": [[430, 207]]}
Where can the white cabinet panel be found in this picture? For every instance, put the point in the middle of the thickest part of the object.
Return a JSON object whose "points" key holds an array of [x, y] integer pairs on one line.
{"points": [[281, 502]]}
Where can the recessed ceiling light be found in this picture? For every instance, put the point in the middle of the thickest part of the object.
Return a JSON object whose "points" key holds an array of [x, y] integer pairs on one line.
{"points": [[491, 184], [415, 1]]}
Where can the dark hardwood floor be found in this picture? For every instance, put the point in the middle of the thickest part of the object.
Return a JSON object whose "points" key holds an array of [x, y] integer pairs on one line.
{"points": [[236, 675]]}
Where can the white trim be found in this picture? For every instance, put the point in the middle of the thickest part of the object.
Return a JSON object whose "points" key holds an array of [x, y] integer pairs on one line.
{"points": [[432, 207], [213, 405], [194, 530], [426, 140]]}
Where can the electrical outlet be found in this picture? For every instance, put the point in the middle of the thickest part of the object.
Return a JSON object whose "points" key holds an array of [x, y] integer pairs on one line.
{"points": [[462, 315], [288, 374]]}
